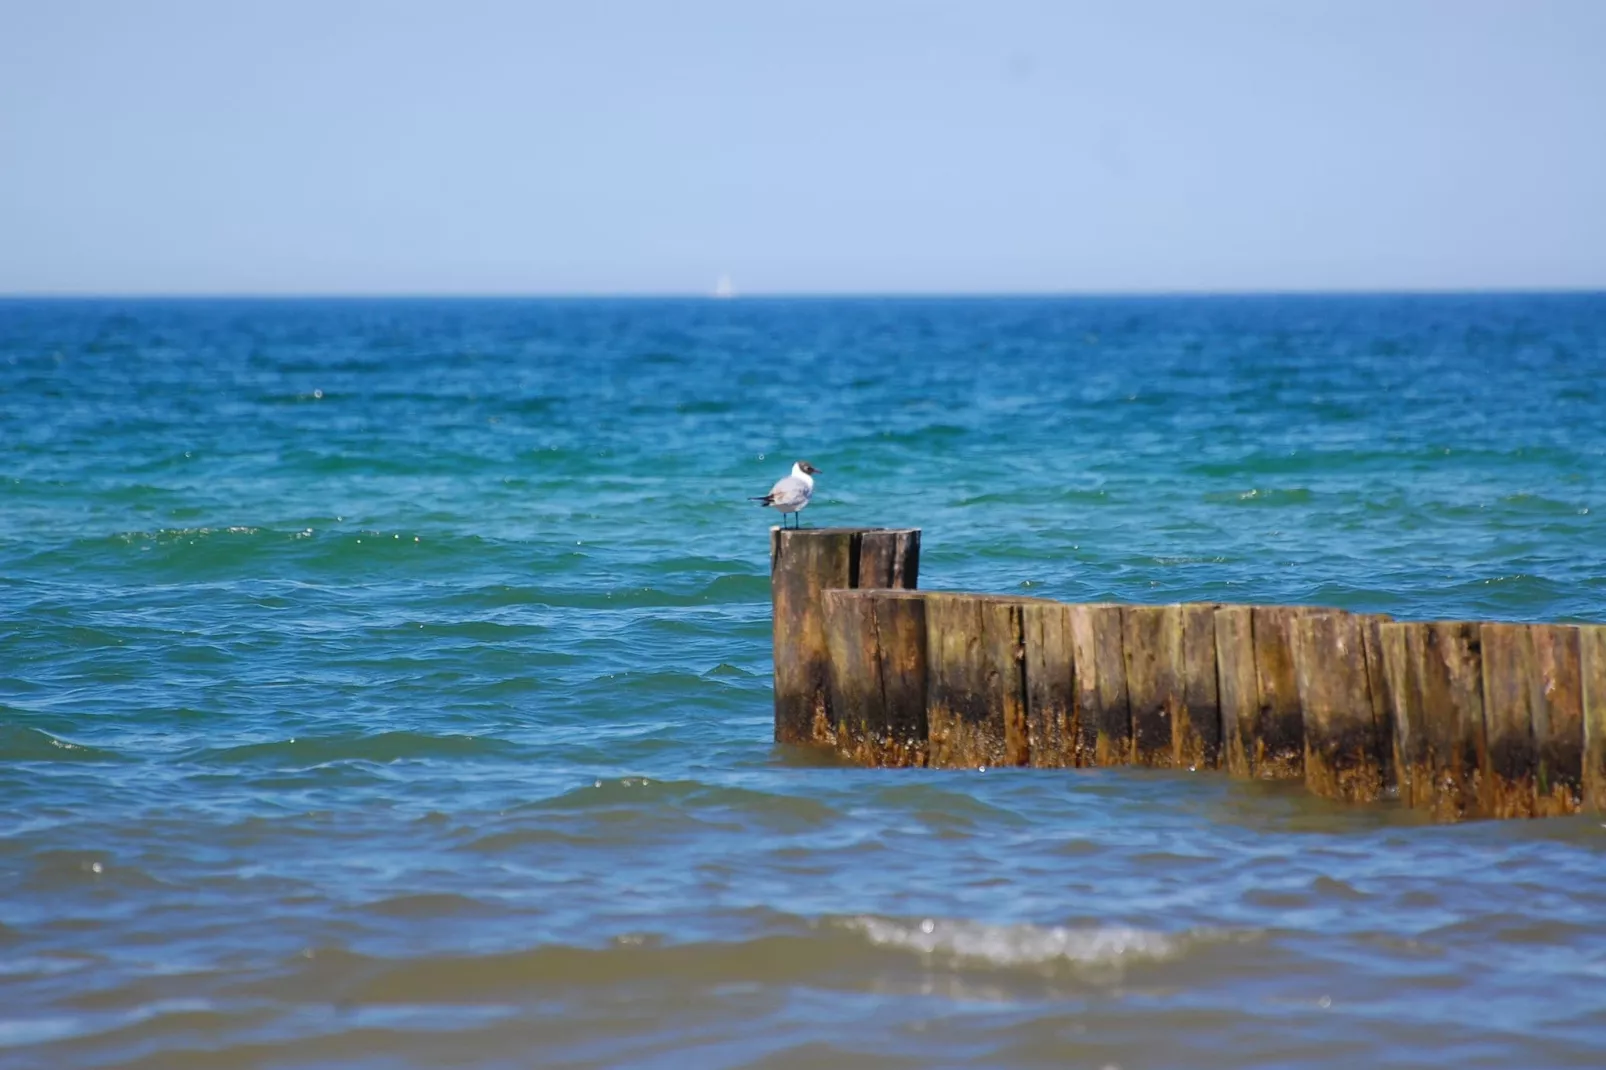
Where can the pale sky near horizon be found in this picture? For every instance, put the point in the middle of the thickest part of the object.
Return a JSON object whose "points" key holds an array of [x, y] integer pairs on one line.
{"points": [[888, 146]]}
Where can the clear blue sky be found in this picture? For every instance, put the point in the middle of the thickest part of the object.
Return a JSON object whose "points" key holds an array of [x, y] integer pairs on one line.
{"points": [[199, 146]]}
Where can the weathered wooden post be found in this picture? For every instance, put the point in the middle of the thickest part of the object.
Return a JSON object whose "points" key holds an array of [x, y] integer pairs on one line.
{"points": [[1281, 727], [1533, 694], [1592, 670], [1507, 710], [1342, 757], [888, 558], [876, 641], [1196, 733], [1104, 717], [1447, 669], [804, 563], [1558, 712], [1382, 697], [1151, 638], [1263, 731], [1235, 661], [1435, 679], [976, 689], [1409, 739], [1051, 713]]}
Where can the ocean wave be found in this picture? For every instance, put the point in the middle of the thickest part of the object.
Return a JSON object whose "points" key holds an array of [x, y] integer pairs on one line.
{"points": [[381, 747], [850, 952], [973, 943], [847, 953], [20, 743], [431, 905], [729, 589], [691, 796]]}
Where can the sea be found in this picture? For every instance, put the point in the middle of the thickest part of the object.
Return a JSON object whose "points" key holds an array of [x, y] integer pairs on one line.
{"points": [[387, 683]]}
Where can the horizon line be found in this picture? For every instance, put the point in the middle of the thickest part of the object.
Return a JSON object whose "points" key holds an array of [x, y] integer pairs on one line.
{"points": [[785, 295]]}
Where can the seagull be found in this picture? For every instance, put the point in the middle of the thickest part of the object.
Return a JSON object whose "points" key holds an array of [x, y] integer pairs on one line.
{"points": [[793, 492]]}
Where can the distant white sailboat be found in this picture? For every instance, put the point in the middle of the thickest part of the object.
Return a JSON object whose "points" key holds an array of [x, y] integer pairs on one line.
{"points": [[723, 287]]}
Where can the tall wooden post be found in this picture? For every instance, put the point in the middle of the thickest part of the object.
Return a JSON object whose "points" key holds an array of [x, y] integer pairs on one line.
{"points": [[803, 564]]}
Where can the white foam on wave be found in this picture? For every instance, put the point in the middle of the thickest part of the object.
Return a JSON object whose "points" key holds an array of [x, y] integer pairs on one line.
{"points": [[1018, 945]]}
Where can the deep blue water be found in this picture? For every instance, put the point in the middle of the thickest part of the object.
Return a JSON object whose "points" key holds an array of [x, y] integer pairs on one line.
{"points": [[386, 683]]}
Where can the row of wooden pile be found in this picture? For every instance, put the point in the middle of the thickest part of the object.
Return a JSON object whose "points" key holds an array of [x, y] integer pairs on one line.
{"points": [[1464, 719]]}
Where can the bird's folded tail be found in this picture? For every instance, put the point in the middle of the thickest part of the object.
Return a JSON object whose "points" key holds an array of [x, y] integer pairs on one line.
{"points": [[768, 499]]}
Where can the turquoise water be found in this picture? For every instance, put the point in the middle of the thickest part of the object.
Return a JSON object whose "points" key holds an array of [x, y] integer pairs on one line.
{"points": [[386, 683]]}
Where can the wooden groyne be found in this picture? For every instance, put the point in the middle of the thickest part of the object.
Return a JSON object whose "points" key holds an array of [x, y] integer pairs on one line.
{"points": [[1462, 719]]}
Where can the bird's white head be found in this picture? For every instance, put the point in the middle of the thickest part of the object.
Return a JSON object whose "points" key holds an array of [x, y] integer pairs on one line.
{"points": [[805, 470]]}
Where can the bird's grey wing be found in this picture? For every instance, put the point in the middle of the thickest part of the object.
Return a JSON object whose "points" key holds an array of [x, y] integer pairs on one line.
{"points": [[789, 491]]}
